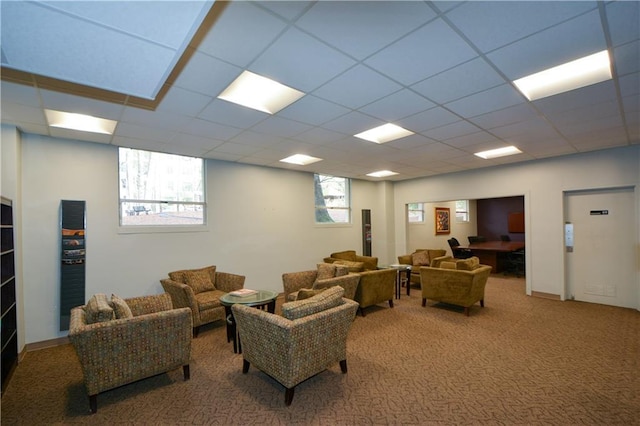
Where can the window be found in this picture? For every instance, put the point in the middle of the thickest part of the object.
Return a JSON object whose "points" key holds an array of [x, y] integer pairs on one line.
{"points": [[462, 211], [332, 199], [415, 212], [160, 189]]}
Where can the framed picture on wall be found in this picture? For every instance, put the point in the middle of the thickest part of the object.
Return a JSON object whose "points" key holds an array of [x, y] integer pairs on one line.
{"points": [[443, 221]]}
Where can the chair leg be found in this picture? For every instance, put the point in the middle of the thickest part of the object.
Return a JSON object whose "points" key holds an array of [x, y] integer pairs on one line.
{"points": [[391, 303], [424, 302], [93, 403], [245, 366], [288, 396], [195, 331], [361, 310], [482, 303], [466, 311], [343, 366], [186, 372]]}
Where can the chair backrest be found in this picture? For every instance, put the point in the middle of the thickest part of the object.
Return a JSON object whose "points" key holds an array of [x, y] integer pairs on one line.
{"points": [[453, 242]]}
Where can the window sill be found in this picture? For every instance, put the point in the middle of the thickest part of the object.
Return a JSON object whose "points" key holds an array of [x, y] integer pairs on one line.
{"points": [[164, 229]]}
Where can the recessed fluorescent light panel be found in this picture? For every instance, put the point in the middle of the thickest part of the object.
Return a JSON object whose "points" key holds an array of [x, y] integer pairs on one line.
{"points": [[301, 159], [84, 123], [582, 72], [385, 133], [382, 173], [500, 152], [257, 92]]}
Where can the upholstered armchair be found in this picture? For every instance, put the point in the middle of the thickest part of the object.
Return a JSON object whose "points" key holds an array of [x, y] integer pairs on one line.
{"points": [[200, 290], [420, 257], [456, 282], [122, 341], [327, 275], [376, 287], [308, 338], [356, 262]]}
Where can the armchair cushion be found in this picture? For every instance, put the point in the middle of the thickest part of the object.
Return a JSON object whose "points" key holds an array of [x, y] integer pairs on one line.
{"points": [[420, 258], [326, 270], [122, 310], [98, 309], [199, 280], [448, 265], [345, 255], [468, 264], [327, 299]]}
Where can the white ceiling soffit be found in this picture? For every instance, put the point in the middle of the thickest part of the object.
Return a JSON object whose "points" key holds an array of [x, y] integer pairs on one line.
{"points": [[130, 48]]}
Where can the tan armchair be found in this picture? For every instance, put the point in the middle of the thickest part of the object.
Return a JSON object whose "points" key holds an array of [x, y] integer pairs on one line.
{"points": [[318, 279], [151, 338], [457, 282], [309, 337], [376, 287], [200, 290], [420, 257]]}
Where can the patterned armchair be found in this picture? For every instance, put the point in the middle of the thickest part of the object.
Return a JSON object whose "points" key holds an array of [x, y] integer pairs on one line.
{"points": [[200, 290], [327, 275], [149, 339], [309, 337]]}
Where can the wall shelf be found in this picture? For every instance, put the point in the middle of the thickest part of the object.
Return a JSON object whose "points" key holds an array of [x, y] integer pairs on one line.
{"points": [[8, 293]]}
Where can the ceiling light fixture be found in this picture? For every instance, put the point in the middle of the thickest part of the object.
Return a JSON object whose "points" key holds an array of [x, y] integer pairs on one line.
{"points": [[385, 133], [382, 173], [84, 123], [499, 152], [261, 93], [301, 159], [582, 72]]}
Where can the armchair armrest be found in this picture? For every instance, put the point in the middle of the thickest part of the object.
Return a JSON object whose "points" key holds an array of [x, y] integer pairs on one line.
{"points": [[294, 281], [405, 259], [227, 282], [370, 263], [348, 282], [181, 294]]}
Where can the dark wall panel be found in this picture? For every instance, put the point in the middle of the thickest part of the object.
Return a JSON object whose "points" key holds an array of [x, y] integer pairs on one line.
{"points": [[493, 217]]}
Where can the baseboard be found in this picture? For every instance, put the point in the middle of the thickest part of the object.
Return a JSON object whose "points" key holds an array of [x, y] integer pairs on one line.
{"points": [[545, 295], [45, 344]]}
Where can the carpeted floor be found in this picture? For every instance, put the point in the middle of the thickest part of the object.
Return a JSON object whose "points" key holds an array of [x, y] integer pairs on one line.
{"points": [[518, 361]]}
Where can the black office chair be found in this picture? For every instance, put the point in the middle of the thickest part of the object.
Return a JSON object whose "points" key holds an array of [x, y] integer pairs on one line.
{"points": [[458, 253], [505, 238], [515, 263]]}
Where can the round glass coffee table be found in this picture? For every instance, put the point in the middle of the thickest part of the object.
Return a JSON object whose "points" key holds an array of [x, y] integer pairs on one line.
{"points": [[261, 299]]}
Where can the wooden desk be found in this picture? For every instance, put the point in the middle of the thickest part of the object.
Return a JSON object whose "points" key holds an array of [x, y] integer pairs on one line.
{"points": [[493, 253]]}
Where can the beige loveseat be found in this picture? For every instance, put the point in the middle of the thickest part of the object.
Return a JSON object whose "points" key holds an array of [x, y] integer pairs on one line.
{"points": [[356, 263], [326, 275], [420, 257], [200, 290], [459, 282], [119, 341]]}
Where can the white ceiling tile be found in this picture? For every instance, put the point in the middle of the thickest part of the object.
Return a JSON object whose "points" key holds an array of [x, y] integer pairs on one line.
{"points": [[397, 105], [19, 93], [223, 112], [185, 139], [464, 80], [578, 98], [81, 105], [57, 132], [490, 100], [494, 24], [624, 21], [280, 127], [357, 87], [453, 130], [627, 58], [571, 40], [229, 40], [18, 113], [260, 140], [537, 126], [136, 131], [206, 128], [286, 9], [154, 119], [183, 101], [413, 58], [429, 119], [236, 149], [513, 114], [471, 140], [300, 61], [352, 123], [319, 135], [206, 75], [223, 156], [362, 28], [313, 110]]}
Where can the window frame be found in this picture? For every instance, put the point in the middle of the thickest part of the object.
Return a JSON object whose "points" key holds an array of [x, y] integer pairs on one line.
{"points": [[347, 208], [420, 209], [465, 212], [124, 228]]}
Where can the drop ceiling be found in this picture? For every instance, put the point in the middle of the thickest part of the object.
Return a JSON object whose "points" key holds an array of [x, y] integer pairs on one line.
{"points": [[443, 70]]}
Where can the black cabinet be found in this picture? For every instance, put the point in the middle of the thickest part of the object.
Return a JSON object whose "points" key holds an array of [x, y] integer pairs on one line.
{"points": [[8, 294]]}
